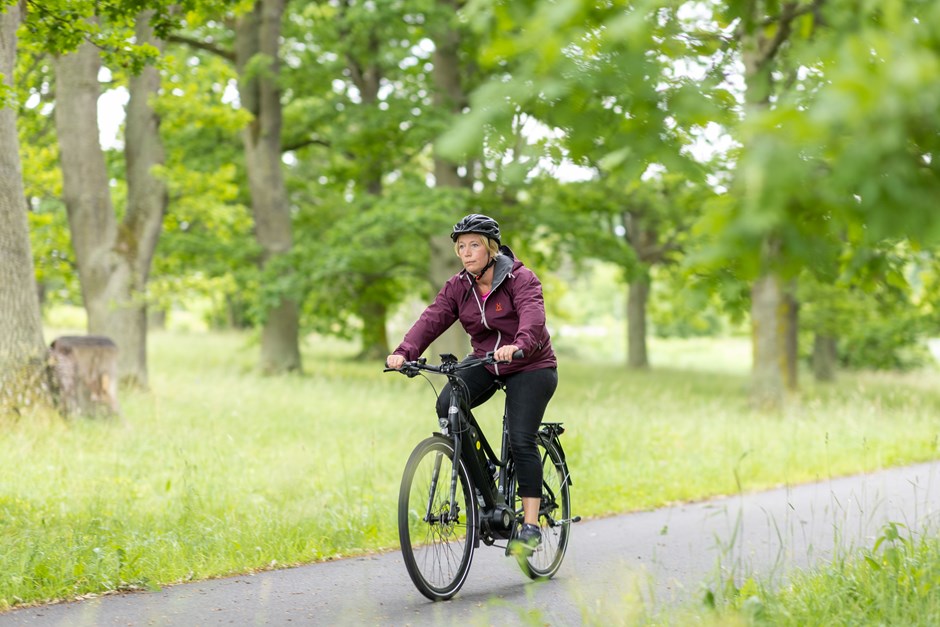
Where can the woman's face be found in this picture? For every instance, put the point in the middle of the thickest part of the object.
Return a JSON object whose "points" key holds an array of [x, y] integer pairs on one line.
{"points": [[472, 252]]}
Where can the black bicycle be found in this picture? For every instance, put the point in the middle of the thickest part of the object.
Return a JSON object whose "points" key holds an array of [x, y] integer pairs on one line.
{"points": [[456, 492]]}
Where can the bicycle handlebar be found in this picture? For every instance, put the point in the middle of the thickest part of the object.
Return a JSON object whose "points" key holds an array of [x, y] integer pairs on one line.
{"points": [[412, 368]]}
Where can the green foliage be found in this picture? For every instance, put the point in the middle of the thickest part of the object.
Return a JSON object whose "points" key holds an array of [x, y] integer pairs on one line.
{"points": [[841, 153], [376, 254], [52, 254], [207, 250], [886, 340], [872, 308], [580, 69], [677, 309], [60, 26]]}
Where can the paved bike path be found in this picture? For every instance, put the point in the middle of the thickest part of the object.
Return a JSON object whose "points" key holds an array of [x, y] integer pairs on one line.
{"points": [[665, 556]]}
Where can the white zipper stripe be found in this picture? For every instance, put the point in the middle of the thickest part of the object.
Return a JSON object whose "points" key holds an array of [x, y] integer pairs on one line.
{"points": [[481, 306]]}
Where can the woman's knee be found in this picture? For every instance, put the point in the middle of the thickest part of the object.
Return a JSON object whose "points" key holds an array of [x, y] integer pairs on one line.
{"points": [[523, 442]]}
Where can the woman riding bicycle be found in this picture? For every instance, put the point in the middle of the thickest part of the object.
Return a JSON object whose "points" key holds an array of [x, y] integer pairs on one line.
{"points": [[499, 303]]}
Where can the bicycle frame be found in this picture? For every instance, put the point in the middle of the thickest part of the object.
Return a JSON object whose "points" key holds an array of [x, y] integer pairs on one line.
{"points": [[460, 422], [494, 501]]}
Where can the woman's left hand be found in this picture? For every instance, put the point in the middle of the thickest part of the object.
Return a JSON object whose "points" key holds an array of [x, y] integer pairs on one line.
{"points": [[504, 353]]}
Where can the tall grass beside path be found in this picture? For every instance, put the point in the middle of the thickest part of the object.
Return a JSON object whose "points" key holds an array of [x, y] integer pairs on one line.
{"points": [[218, 470]]}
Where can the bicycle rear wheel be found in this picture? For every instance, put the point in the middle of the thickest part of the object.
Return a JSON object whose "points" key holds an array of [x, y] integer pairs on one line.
{"points": [[436, 534], [554, 515]]}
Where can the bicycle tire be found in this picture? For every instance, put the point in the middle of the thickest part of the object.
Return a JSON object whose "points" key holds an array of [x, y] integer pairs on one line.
{"points": [[437, 552], [554, 515]]}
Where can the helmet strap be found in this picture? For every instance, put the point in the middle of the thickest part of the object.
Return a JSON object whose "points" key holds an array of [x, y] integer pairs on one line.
{"points": [[490, 264]]}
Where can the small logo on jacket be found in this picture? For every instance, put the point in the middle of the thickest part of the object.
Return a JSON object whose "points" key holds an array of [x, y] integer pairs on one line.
{"points": [[499, 306]]}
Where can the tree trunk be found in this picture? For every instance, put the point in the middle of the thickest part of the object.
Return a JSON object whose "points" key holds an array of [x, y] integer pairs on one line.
{"points": [[644, 240], [103, 268], [773, 323], [22, 349], [824, 357], [449, 95], [374, 333], [636, 322], [113, 260], [147, 200], [773, 312], [791, 341], [257, 57]]}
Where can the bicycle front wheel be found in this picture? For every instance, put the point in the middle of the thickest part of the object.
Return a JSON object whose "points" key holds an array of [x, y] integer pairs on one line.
{"points": [[554, 515], [436, 527]]}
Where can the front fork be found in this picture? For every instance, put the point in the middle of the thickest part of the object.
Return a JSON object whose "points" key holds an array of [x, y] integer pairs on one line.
{"points": [[447, 426], [455, 466]]}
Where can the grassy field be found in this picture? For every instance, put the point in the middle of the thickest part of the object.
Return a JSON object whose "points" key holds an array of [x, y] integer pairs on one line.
{"points": [[217, 470]]}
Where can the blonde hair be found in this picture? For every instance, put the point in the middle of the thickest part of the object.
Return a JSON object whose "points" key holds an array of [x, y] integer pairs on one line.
{"points": [[491, 246]]}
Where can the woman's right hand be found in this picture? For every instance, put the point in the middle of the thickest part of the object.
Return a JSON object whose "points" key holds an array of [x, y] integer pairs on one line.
{"points": [[394, 361]]}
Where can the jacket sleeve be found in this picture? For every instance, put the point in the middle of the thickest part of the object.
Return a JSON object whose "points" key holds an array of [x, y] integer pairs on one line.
{"points": [[437, 318], [530, 307]]}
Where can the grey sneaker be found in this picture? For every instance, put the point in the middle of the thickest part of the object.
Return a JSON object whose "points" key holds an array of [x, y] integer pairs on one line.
{"points": [[527, 540]]}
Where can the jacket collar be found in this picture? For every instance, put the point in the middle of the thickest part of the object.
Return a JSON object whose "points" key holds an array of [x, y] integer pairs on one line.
{"points": [[503, 267]]}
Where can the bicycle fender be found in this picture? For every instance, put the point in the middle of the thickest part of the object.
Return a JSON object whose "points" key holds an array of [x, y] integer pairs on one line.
{"points": [[548, 438]]}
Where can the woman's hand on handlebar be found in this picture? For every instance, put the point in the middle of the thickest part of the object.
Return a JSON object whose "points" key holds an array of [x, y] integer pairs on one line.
{"points": [[505, 353], [394, 362]]}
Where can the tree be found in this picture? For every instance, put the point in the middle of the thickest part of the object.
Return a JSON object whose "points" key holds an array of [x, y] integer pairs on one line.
{"points": [[454, 76], [62, 29], [636, 225], [763, 29], [21, 342], [257, 57], [593, 86], [249, 37], [814, 186], [357, 150], [113, 257]]}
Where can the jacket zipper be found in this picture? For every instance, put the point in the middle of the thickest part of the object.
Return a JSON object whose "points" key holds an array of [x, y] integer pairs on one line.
{"points": [[482, 306]]}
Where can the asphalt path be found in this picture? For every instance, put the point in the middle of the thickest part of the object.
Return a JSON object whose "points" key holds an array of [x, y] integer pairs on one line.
{"points": [[615, 566]]}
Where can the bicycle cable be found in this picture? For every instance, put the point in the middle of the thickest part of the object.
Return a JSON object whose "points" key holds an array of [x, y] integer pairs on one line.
{"points": [[428, 379]]}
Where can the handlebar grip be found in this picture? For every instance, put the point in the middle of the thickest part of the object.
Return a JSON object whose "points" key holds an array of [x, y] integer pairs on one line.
{"points": [[519, 354]]}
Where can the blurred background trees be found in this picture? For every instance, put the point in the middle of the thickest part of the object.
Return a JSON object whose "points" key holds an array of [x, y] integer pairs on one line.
{"points": [[294, 167]]}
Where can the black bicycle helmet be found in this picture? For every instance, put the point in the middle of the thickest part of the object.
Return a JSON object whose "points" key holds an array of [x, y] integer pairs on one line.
{"points": [[477, 223]]}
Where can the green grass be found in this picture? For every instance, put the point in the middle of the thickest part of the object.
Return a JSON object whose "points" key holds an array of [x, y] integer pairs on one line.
{"points": [[894, 582], [218, 470]]}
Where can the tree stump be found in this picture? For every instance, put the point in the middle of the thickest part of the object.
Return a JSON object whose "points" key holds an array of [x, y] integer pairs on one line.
{"points": [[84, 372]]}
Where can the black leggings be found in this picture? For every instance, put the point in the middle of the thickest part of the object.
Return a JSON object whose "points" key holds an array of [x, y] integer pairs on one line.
{"points": [[527, 396]]}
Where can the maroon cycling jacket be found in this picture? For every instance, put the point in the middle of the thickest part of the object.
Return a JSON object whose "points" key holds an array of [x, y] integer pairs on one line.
{"points": [[513, 313]]}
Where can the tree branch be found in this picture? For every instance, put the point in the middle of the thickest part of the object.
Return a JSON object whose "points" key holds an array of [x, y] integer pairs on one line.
{"points": [[791, 11], [197, 44], [303, 143]]}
